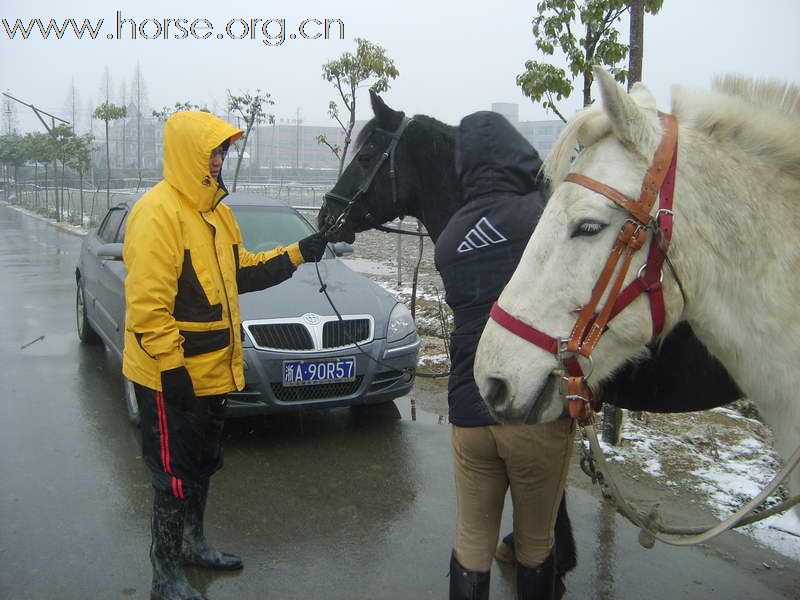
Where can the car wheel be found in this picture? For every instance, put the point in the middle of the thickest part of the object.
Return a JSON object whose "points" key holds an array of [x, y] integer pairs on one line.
{"points": [[86, 334], [131, 403]]}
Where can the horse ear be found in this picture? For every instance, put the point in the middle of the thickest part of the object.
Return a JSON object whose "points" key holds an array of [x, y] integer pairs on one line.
{"points": [[384, 115], [633, 119]]}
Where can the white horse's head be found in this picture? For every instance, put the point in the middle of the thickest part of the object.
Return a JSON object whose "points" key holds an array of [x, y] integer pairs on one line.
{"points": [[566, 255]]}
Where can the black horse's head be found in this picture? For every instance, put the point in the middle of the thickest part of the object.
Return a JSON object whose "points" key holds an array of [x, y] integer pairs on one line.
{"points": [[372, 189]]}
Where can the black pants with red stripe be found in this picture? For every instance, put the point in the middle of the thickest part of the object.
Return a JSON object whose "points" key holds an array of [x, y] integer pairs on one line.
{"points": [[181, 445]]}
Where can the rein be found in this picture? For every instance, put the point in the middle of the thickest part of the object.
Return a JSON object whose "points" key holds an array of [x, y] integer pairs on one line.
{"points": [[659, 183]]}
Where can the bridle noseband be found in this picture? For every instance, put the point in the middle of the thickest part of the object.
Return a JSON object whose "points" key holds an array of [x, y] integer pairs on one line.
{"points": [[334, 225], [659, 183]]}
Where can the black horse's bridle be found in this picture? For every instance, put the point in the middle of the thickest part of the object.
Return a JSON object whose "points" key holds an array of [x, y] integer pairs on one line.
{"points": [[332, 226]]}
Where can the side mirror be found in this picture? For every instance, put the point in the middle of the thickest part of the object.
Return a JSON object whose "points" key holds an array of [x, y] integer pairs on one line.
{"points": [[110, 252], [342, 248]]}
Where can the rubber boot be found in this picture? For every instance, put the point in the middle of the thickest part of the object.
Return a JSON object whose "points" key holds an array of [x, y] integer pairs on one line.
{"points": [[169, 581], [465, 584], [196, 550], [540, 582]]}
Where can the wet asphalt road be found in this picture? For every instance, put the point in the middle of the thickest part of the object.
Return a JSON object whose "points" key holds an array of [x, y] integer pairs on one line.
{"points": [[328, 505]]}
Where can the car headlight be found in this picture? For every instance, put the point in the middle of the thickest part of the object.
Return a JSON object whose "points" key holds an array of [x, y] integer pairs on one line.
{"points": [[401, 324]]}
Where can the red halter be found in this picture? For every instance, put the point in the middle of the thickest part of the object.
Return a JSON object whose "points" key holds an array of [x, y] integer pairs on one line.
{"points": [[590, 325]]}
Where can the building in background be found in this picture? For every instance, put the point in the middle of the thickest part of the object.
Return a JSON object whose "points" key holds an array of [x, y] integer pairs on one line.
{"points": [[541, 134], [289, 145]]}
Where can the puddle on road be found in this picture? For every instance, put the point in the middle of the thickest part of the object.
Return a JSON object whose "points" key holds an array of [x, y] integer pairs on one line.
{"points": [[410, 411]]}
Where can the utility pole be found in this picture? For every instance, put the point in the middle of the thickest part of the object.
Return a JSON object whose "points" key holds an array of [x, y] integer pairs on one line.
{"points": [[38, 112], [10, 116], [636, 43], [49, 129], [612, 415]]}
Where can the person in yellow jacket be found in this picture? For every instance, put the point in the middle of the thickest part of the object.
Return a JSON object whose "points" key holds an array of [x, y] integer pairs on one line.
{"points": [[183, 349]]}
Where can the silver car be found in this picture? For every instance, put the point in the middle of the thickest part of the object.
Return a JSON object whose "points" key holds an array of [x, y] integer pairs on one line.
{"points": [[298, 352]]}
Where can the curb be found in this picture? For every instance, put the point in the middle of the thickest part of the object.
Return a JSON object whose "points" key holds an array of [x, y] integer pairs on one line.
{"points": [[66, 228]]}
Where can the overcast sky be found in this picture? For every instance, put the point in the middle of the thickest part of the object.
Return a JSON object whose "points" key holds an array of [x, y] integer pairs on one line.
{"points": [[453, 57]]}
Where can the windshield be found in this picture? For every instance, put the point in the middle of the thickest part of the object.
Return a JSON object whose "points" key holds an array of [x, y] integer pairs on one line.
{"points": [[264, 227]]}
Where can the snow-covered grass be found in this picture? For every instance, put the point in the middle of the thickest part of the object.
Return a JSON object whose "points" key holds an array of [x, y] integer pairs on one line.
{"points": [[719, 457]]}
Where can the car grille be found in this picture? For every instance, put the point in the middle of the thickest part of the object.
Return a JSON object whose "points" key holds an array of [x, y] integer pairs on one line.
{"points": [[316, 392], [336, 334], [330, 334], [283, 336]]}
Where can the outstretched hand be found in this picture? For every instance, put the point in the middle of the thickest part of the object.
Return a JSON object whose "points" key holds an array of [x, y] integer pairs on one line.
{"points": [[313, 247]]}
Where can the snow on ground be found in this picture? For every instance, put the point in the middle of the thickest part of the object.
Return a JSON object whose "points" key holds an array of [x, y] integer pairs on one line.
{"points": [[369, 267], [433, 359], [719, 456]]}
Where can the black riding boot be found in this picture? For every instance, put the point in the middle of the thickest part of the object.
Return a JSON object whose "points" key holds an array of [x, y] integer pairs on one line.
{"points": [[541, 582], [467, 585], [169, 582], [196, 550]]}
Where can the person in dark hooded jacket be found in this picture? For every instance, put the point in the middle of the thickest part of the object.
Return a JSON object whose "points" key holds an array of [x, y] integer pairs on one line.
{"points": [[476, 255]]}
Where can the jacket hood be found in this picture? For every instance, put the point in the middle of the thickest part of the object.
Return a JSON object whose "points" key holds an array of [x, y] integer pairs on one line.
{"points": [[189, 138], [491, 156]]}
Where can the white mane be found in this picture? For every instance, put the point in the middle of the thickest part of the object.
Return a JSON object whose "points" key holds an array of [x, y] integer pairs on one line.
{"points": [[759, 118]]}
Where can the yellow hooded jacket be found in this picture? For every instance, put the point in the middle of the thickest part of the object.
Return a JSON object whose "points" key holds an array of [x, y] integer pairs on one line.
{"points": [[186, 267]]}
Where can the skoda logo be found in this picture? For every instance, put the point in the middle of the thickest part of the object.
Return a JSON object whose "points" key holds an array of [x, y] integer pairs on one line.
{"points": [[311, 318]]}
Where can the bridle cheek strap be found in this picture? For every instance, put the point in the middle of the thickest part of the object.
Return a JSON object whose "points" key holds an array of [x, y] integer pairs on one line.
{"points": [[658, 183]]}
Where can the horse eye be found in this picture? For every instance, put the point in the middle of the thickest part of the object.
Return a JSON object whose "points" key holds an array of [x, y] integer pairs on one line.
{"points": [[588, 227]]}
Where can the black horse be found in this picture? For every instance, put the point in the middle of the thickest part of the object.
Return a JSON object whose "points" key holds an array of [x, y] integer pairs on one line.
{"points": [[406, 166]]}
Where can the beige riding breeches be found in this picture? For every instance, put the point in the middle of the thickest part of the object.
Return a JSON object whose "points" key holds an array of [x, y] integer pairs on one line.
{"points": [[533, 460]]}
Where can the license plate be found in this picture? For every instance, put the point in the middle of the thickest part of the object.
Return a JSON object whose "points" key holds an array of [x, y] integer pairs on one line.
{"points": [[317, 371]]}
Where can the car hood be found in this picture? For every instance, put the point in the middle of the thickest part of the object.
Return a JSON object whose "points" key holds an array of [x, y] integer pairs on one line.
{"points": [[351, 293]]}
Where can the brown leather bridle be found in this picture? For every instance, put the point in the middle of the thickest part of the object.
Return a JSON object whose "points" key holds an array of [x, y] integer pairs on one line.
{"points": [[659, 183]]}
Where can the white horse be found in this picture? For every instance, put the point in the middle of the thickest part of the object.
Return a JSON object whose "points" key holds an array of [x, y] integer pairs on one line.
{"points": [[735, 248]]}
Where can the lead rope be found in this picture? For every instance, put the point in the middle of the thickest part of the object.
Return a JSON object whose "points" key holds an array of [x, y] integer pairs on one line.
{"points": [[650, 525], [323, 288]]}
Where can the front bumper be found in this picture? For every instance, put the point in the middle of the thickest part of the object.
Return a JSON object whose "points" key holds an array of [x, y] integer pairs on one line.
{"points": [[375, 382]]}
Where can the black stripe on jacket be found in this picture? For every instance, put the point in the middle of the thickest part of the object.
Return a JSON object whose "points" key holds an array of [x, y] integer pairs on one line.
{"points": [[203, 342], [263, 275], [191, 301]]}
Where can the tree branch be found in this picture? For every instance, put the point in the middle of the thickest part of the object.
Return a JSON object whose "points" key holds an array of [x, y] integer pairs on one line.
{"points": [[341, 93], [552, 106], [324, 140]]}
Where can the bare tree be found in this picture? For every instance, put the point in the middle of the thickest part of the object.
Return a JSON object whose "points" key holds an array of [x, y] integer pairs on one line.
{"points": [[139, 92], [72, 104]]}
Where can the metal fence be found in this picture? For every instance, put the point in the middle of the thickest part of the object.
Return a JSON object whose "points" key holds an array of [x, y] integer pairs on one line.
{"points": [[81, 207], [85, 208]]}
